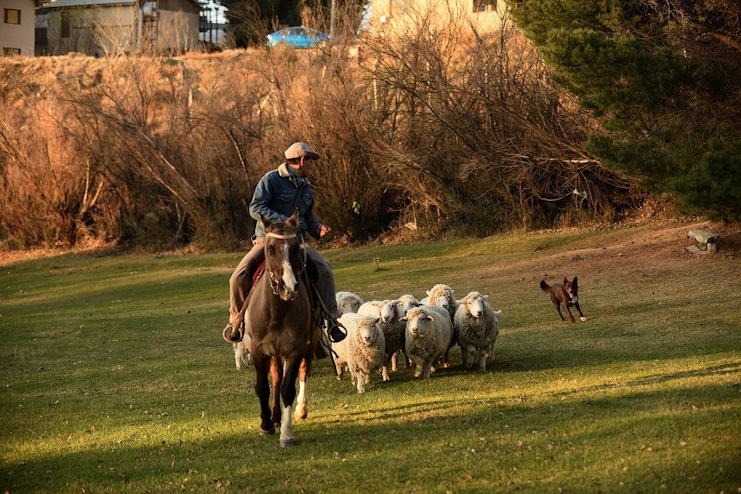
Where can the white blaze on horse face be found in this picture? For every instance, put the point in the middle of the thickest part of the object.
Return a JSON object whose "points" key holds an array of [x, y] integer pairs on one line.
{"points": [[289, 278]]}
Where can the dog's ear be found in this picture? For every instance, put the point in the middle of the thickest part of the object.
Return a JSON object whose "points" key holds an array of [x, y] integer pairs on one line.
{"points": [[565, 280], [574, 282]]}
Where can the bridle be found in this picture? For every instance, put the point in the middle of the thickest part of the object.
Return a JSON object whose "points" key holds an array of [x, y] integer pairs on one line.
{"points": [[274, 281]]}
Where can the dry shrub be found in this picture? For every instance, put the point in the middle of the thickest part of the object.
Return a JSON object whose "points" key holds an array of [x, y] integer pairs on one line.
{"points": [[436, 129]]}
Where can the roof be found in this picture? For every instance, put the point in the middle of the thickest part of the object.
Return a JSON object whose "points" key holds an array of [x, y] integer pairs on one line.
{"points": [[81, 3], [78, 3]]}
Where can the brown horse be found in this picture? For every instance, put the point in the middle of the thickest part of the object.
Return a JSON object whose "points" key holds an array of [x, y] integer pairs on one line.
{"points": [[280, 330]]}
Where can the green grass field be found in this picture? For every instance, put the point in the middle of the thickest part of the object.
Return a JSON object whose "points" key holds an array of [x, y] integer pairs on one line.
{"points": [[114, 377]]}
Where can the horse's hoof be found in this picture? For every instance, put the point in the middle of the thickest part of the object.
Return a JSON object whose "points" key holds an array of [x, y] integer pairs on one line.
{"points": [[268, 432], [287, 443]]}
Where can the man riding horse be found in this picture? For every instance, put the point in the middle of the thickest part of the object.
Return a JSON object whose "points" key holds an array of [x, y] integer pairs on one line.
{"points": [[278, 194]]}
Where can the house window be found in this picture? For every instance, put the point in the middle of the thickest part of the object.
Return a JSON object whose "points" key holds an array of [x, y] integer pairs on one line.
{"points": [[484, 5], [65, 25], [8, 52], [11, 16]]}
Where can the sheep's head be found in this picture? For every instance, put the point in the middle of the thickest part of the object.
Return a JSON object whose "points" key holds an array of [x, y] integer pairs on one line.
{"points": [[418, 321], [441, 295], [349, 304], [388, 310], [368, 330], [474, 303], [404, 304]]}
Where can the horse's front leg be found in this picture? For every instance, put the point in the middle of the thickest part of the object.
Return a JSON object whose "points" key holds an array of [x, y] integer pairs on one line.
{"points": [[302, 401], [288, 393], [276, 374], [262, 389]]}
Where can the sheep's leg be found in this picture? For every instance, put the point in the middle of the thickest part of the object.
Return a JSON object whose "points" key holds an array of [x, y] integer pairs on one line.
{"points": [[427, 370], [394, 359], [417, 368], [237, 356], [481, 360], [361, 380], [385, 368]]}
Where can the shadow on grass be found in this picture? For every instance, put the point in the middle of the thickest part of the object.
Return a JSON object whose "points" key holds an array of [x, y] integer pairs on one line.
{"points": [[632, 439]]}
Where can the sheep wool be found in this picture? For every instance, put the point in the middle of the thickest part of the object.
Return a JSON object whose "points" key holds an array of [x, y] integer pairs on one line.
{"points": [[392, 327], [348, 302], [362, 351], [443, 296], [428, 334], [477, 325]]}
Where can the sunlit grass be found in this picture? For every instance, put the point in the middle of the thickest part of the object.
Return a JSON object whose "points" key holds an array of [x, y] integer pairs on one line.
{"points": [[113, 378]]}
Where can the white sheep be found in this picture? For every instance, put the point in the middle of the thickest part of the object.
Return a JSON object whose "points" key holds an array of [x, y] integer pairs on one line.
{"points": [[242, 355], [405, 303], [348, 302], [443, 296], [387, 312], [361, 351], [428, 334], [477, 325]]}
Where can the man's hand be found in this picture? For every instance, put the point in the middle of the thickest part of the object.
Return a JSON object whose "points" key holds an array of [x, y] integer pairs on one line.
{"points": [[323, 230]]}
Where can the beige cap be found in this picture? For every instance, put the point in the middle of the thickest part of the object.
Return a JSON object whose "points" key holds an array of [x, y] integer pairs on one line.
{"points": [[299, 149]]}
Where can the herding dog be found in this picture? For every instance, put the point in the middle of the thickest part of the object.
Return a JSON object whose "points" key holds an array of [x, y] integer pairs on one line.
{"points": [[565, 294]]}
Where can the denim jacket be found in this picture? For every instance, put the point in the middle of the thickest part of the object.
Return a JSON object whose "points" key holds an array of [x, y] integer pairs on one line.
{"points": [[277, 196]]}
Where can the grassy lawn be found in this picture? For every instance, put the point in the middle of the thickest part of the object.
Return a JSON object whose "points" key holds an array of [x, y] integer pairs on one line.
{"points": [[114, 377]]}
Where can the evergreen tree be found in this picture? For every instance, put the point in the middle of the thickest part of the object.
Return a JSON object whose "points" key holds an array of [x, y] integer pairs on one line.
{"points": [[663, 77]]}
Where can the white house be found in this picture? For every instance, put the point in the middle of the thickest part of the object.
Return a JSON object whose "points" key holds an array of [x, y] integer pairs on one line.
{"points": [[396, 16], [110, 27], [17, 28]]}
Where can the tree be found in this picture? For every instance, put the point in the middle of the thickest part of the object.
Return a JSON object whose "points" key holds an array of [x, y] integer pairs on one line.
{"points": [[663, 79]]}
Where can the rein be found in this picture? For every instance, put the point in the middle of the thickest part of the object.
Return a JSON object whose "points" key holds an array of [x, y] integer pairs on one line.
{"points": [[278, 235]]}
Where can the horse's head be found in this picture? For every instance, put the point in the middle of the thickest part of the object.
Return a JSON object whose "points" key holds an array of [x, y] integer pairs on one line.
{"points": [[284, 257]]}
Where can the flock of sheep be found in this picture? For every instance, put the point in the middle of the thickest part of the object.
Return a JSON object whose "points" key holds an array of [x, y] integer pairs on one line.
{"points": [[424, 330]]}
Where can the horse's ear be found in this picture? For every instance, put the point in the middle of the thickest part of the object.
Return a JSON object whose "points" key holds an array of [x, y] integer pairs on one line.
{"points": [[265, 222], [293, 220]]}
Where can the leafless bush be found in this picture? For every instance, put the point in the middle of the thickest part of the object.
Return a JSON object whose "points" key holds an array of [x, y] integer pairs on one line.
{"points": [[495, 143], [434, 128]]}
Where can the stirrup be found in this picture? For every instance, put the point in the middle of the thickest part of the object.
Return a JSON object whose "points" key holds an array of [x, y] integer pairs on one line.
{"points": [[335, 330], [233, 333]]}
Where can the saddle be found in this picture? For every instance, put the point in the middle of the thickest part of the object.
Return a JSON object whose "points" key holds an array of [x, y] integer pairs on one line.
{"points": [[234, 332]]}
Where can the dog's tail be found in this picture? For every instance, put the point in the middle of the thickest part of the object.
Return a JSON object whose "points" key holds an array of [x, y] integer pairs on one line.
{"points": [[544, 286]]}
